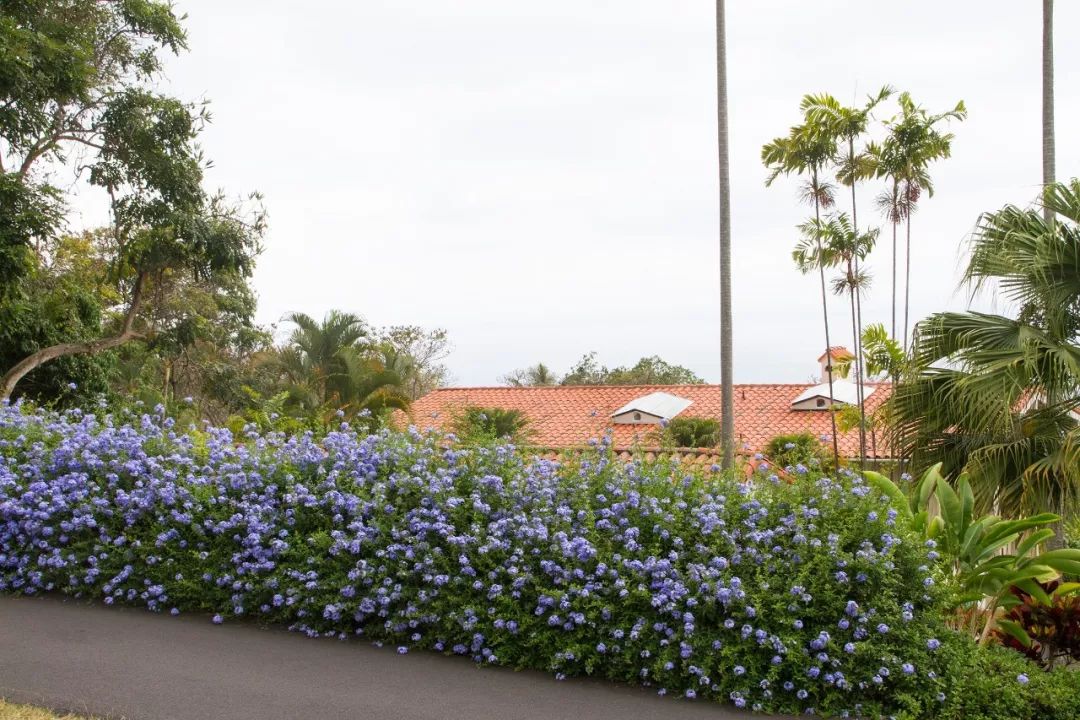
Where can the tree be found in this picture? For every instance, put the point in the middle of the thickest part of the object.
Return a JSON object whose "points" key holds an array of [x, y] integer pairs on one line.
{"points": [[727, 391], [66, 299], [538, 375], [417, 355], [848, 125], [329, 368], [904, 157], [831, 243], [76, 82], [647, 371], [997, 396], [808, 150], [1048, 97], [488, 424], [883, 357]]}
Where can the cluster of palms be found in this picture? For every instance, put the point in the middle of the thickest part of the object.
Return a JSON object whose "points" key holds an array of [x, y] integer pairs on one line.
{"points": [[333, 369], [832, 146]]}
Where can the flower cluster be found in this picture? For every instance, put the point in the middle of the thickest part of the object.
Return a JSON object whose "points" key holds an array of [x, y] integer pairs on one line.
{"points": [[794, 598]]}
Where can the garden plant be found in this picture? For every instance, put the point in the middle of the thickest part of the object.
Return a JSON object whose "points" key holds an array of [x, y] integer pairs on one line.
{"points": [[815, 595]]}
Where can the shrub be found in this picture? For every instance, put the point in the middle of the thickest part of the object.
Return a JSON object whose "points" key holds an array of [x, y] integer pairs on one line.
{"points": [[488, 424], [798, 449], [691, 432], [995, 683], [781, 597]]}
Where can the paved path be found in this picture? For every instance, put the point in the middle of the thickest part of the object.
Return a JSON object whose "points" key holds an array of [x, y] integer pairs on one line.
{"points": [[124, 662]]}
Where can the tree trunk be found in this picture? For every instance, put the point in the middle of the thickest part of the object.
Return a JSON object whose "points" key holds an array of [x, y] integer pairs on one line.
{"points": [[895, 220], [907, 280], [1048, 99], [727, 392], [857, 303], [127, 332], [825, 315]]}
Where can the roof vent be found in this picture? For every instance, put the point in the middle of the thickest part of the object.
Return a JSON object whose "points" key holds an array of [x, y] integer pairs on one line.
{"points": [[650, 409]]}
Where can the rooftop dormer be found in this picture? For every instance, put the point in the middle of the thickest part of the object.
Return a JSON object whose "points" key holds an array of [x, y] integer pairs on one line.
{"points": [[651, 409]]}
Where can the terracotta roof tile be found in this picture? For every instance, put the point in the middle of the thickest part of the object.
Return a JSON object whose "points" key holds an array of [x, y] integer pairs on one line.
{"points": [[569, 416]]}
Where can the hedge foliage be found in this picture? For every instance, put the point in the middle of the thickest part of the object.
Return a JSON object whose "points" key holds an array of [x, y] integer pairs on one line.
{"points": [[784, 597]]}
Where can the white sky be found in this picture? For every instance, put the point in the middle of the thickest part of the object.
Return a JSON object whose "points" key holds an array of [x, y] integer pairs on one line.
{"points": [[540, 178]]}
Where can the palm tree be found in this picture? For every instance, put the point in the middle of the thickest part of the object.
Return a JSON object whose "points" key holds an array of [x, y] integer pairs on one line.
{"points": [[328, 369], [892, 202], [487, 424], [727, 390], [538, 375], [847, 125], [999, 396], [912, 144], [808, 150], [833, 243], [1048, 97], [313, 349]]}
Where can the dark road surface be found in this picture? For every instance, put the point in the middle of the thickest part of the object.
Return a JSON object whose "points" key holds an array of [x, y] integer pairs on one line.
{"points": [[120, 662]]}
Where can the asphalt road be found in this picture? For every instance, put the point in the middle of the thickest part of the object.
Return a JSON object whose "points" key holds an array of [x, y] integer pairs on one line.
{"points": [[134, 664]]}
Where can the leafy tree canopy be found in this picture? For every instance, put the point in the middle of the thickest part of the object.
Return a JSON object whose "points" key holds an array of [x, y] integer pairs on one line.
{"points": [[647, 371], [77, 98]]}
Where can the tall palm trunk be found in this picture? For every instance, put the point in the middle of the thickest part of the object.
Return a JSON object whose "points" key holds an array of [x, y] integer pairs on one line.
{"points": [[858, 307], [825, 316], [907, 278], [894, 211], [727, 394], [1048, 99]]}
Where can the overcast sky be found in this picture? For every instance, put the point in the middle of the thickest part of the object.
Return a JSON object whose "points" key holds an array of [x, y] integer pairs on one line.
{"points": [[539, 178]]}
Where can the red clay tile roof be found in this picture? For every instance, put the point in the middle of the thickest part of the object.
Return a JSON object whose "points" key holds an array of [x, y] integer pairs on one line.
{"points": [[569, 416], [837, 351]]}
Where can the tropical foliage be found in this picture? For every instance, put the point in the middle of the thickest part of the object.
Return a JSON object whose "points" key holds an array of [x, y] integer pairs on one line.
{"points": [[691, 432], [998, 395], [987, 558], [489, 424]]}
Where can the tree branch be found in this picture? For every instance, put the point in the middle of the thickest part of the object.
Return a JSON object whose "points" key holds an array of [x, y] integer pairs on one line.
{"points": [[127, 333]]}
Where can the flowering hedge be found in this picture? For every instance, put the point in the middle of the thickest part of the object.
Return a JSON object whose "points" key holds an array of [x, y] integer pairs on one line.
{"points": [[784, 598]]}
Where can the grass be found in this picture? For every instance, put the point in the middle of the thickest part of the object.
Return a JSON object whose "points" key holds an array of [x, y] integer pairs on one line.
{"points": [[9, 711]]}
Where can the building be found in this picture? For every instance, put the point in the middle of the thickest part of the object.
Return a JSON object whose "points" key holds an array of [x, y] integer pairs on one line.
{"points": [[562, 417]]}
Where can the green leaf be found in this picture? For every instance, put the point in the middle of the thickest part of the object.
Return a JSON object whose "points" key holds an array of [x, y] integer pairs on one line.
{"points": [[888, 487], [1065, 589], [1016, 631], [928, 484], [1034, 589], [952, 512], [967, 498], [1032, 540]]}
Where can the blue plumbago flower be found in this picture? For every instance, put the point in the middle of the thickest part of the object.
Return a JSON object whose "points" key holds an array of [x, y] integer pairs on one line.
{"points": [[647, 572], [1022, 679]]}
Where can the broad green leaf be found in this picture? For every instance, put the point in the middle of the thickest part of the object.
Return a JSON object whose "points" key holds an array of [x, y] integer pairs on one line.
{"points": [[886, 486], [1032, 540], [1008, 527], [1015, 630], [927, 485], [967, 498], [1035, 590], [951, 511], [1065, 589]]}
